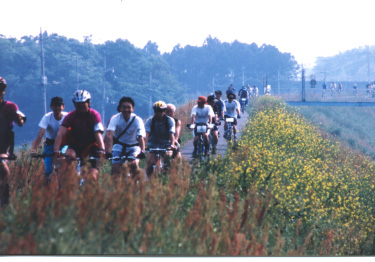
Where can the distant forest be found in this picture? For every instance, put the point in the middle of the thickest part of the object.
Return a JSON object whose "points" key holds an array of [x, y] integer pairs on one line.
{"points": [[117, 68], [356, 65]]}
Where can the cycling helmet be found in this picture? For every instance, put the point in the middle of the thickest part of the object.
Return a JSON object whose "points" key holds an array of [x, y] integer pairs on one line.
{"points": [[3, 83], [160, 105], [81, 96]]}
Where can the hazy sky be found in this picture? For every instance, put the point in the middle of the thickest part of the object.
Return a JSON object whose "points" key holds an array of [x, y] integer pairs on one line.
{"points": [[305, 28]]}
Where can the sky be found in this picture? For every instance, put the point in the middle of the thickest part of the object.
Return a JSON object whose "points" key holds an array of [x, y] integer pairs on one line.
{"points": [[305, 28]]}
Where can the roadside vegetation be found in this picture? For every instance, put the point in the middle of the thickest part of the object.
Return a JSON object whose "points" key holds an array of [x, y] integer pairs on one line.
{"points": [[286, 189], [353, 126]]}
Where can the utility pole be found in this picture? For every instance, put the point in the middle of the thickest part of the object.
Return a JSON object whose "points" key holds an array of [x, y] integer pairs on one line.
{"points": [[77, 82], [243, 76], [150, 87], [44, 78], [213, 85], [303, 86], [103, 101], [278, 81]]}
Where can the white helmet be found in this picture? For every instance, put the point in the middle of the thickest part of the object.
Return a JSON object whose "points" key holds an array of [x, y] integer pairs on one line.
{"points": [[81, 96]]}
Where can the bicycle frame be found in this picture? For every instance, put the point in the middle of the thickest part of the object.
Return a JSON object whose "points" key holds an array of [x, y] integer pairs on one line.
{"points": [[229, 132]]}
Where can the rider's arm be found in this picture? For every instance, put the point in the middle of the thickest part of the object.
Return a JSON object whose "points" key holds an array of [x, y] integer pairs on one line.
{"points": [[141, 141], [59, 138], [192, 119], [108, 140], [147, 136], [19, 120], [99, 140], [178, 129], [38, 139]]}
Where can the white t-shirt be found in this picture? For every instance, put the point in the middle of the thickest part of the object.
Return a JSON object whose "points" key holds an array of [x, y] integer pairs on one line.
{"points": [[231, 108], [51, 125], [202, 114], [118, 125]]}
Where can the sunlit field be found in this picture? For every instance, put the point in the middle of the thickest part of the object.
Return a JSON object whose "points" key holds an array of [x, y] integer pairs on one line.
{"points": [[285, 189]]}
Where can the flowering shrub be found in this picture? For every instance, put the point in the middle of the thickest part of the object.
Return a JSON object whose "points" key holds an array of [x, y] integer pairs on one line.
{"points": [[310, 178]]}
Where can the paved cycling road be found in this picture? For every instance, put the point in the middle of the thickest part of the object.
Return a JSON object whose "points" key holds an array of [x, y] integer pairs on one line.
{"points": [[187, 149]]}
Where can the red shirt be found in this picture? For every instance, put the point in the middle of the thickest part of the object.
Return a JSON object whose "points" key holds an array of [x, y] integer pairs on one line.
{"points": [[81, 128], [7, 116]]}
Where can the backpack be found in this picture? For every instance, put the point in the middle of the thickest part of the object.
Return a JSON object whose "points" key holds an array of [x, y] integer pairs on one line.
{"points": [[165, 121]]}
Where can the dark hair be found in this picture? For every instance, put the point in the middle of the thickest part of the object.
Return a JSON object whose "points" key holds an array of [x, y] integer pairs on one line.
{"points": [[57, 100], [123, 100]]}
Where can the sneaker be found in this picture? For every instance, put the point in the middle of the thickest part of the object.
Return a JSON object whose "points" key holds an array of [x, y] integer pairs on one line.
{"points": [[213, 151]]}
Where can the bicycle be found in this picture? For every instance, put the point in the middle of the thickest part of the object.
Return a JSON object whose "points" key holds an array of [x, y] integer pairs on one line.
{"points": [[124, 160], [243, 104], [229, 133], [160, 166], [57, 164], [200, 129], [4, 184]]}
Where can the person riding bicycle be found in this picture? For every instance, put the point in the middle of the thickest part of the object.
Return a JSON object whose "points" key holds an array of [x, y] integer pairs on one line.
{"points": [[81, 132], [49, 125], [220, 106], [232, 110], [9, 115], [160, 133], [255, 91], [230, 89], [201, 114], [171, 111], [243, 93], [211, 101], [125, 136]]}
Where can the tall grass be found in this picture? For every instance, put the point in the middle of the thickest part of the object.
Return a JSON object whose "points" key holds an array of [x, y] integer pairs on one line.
{"points": [[283, 190]]}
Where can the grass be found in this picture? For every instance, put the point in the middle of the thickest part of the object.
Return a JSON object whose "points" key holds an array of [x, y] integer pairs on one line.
{"points": [[286, 189]]}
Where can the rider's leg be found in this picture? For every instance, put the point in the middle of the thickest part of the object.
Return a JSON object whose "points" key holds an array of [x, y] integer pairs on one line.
{"points": [[150, 162], [206, 140], [4, 183], [195, 143], [48, 150]]}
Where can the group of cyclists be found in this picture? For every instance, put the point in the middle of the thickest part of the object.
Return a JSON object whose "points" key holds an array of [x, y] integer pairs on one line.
{"points": [[79, 134], [337, 88]]}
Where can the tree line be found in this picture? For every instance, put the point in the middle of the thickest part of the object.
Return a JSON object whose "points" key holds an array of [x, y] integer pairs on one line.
{"points": [[118, 68]]}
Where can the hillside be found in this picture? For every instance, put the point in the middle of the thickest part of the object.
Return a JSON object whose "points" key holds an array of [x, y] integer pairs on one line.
{"points": [[354, 126]]}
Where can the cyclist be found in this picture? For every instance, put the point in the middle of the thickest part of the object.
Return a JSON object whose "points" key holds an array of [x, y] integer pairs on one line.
{"points": [[231, 89], [201, 114], [324, 89], [232, 109], [267, 90], [171, 112], [125, 136], [81, 131], [255, 91], [340, 88], [49, 125], [8, 115], [160, 133], [215, 131], [355, 89], [243, 93], [220, 106]]}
